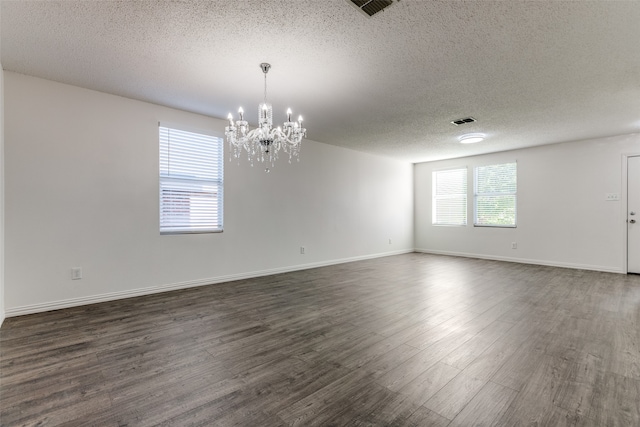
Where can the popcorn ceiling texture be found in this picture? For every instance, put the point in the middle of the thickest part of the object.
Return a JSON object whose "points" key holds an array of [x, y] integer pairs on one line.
{"points": [[530, 72]]}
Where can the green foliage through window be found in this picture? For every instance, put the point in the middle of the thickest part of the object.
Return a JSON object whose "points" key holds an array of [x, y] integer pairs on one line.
{"points": [[495, 195]]}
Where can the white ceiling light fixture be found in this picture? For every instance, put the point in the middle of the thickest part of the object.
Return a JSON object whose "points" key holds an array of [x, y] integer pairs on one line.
{"points": [[471, 138], [263, 143]]}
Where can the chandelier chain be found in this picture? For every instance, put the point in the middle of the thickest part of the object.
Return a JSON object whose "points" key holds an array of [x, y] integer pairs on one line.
{"points": [[265, 87]]}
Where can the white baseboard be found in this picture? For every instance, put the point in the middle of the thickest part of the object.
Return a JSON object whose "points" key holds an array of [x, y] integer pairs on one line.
{"points": [[526, 261], [93, 299]]}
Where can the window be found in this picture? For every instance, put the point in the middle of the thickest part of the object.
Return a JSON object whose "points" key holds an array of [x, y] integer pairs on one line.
{"points": [[495, 195], [191, 182], [449, 205]]}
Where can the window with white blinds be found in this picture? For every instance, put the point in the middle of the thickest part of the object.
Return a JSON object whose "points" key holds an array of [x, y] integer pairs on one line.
{"points": [[449, 192], [191, 182], [495, 195]]}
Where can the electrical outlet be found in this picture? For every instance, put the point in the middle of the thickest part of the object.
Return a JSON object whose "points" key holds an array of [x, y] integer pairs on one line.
{"points": [[612, 197], [76, 273], [389, 241], [301, 250], [514, 245]]}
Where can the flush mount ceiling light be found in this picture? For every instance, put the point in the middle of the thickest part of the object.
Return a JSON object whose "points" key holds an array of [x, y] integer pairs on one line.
{"points": [[263, 143], [471, 138]]}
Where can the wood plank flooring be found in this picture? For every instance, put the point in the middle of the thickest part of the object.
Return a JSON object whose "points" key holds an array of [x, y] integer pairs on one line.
{"points": [[408, 340]]}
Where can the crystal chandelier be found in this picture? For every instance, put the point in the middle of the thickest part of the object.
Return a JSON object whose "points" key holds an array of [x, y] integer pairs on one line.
{"points": [[263, 143]]}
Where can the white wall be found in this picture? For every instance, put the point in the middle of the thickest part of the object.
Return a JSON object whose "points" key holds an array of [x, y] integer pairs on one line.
{"points": [[563, 218], [82, 191], [2, 304]]}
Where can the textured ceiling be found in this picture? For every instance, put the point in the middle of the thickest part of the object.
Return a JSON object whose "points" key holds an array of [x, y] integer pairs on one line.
{"points": [[530, 72]]}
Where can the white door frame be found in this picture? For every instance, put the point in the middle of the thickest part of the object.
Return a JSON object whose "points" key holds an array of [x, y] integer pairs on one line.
{"points": [[624, 208]]}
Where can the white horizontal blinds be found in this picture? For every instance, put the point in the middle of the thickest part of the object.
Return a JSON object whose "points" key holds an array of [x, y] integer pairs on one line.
{"points": [[449, 197], [191, 182], [495, 195]]}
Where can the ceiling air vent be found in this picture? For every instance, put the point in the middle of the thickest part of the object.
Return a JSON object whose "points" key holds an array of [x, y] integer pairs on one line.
{"points": [[371, 7], [463, 121]]}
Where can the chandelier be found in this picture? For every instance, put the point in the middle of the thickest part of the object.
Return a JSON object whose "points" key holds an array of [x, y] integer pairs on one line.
{"points": [[263, 143]]}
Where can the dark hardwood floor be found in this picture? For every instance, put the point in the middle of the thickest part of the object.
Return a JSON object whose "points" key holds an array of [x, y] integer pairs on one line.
{"points": [[409, 340]]}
